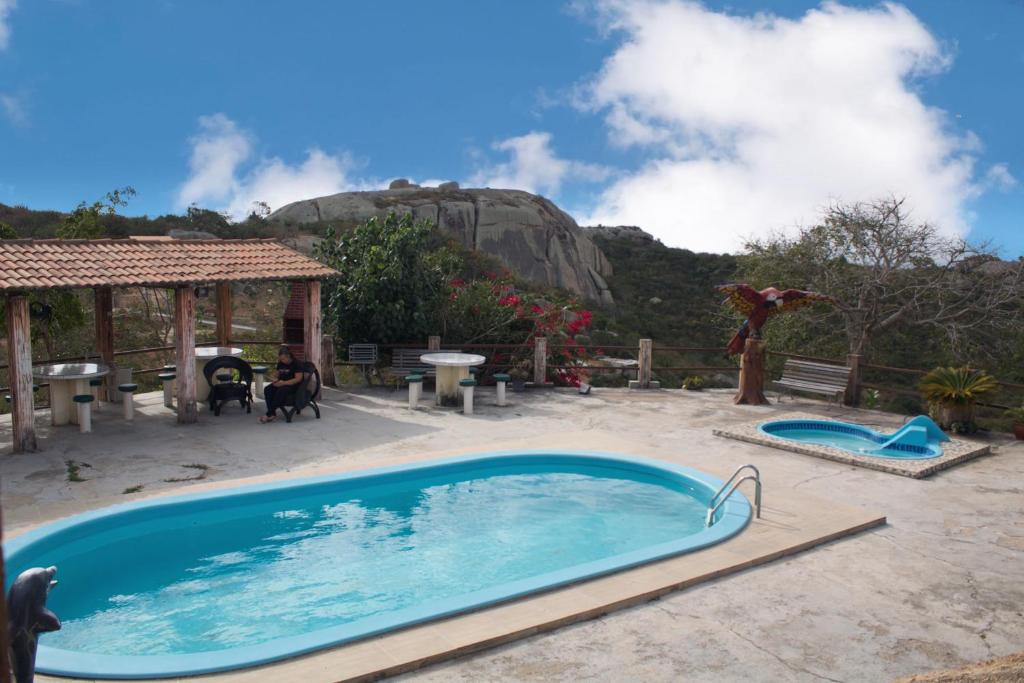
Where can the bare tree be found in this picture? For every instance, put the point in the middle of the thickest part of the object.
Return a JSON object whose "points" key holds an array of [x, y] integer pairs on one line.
{"points": [[890, 272]]}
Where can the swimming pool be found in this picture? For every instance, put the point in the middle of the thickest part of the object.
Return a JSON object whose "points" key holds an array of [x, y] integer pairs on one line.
{"points": [[228, 579], [918, 439]]}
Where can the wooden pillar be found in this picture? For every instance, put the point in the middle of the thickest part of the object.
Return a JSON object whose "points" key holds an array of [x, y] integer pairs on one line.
{"points": [[853, 385], [434, 342], [104, 310], [645, 356], [540, 361], [312, 327], [223, 314], [751, 390], [185, 352], [19, 364], [327, 357]]}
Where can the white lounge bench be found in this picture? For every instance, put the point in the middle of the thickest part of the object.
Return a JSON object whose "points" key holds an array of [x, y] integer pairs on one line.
{"points": [[813, 378]]}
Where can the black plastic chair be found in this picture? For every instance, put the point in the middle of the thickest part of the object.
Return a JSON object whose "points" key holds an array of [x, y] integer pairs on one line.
{"points": [[305, 395], [235, 390]]}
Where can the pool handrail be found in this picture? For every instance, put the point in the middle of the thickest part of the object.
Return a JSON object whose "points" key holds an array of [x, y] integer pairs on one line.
{"points": [[756, 478]]}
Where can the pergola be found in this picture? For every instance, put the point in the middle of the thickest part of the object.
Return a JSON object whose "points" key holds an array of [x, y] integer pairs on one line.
{"points": [[33, 265]]}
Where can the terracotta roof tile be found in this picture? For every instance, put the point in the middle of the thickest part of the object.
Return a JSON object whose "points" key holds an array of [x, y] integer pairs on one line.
{"points": [[47, 264]]}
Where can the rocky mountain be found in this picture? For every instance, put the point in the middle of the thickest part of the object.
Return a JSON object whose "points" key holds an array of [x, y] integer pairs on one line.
{"points": [[527, 232]]}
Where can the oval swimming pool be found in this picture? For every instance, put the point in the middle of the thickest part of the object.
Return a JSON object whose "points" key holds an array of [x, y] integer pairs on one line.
{"points": [[234, 578]]}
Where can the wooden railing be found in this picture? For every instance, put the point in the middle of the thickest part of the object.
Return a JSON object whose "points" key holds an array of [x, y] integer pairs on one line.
{"points": [[645, 365]]}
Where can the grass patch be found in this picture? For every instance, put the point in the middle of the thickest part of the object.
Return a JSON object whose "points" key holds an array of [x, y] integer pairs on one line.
{"points": [[203, 469], [74, 470], [134, 489]]}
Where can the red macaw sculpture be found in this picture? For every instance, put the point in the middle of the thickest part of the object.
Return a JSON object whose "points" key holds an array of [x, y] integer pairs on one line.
{"points": [[759, 306]]}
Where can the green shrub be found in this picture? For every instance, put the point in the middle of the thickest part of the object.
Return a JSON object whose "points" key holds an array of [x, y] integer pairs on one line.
{"points": [[693, 383]]}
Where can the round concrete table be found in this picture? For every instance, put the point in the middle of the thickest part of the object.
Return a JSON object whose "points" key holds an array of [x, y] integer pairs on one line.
{"points": [[204, 354], [451, 367], [66, 380]]}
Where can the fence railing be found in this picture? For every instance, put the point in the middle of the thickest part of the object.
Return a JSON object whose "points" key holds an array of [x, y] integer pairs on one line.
{"points": [[640, 363]]}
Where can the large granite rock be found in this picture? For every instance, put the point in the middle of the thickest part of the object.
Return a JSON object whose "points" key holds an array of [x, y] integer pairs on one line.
{"points": [[527, 232]]}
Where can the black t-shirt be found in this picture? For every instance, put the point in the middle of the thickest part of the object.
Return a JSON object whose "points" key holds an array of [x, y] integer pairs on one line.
{"points": [[288, 371]]}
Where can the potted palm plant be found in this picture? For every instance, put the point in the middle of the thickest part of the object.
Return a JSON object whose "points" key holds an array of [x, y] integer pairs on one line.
{"points": [[1017, 415], [951, 394], [519, 373]]}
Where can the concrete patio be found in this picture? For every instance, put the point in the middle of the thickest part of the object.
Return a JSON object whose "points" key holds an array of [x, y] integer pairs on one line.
{"points": [[939, 586]]}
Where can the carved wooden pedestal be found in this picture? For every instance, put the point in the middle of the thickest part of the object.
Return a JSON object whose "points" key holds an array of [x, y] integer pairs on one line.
{"points": [[751, 391]]}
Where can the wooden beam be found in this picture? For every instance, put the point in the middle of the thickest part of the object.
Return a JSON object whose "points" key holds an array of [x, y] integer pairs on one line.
{"points": [[19, 362], [327, 358], [644, 363], [104, 309], [185, 352], [312, 327], [224, 314], [540, 361]]}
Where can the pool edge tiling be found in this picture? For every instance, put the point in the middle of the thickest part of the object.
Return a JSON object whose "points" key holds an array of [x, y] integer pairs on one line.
{"points": [[734, 518], [955, 451], [792, 522]]}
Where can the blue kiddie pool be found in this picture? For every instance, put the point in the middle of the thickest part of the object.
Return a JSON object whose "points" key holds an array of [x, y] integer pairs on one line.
{"points": [[214, 581], [918, 439]]}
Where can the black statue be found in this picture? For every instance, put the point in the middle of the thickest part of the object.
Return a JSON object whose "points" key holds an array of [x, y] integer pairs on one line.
{"points": [[26, 609]]}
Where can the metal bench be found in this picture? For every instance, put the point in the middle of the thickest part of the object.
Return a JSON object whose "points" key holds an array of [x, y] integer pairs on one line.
{"points": [[407, 362], [813, 378], [365, 356]]}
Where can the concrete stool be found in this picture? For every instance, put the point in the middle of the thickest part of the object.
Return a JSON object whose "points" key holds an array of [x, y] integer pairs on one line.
{"points": [[258, 372], [501, 379], [94, 386], [415, 383], [127, 400], [84, 411], [467, 395], [168, 379]]}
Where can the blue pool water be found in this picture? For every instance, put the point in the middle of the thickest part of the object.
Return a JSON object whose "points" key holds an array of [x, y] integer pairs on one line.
{"points": [[229, 579], [919, 439]]}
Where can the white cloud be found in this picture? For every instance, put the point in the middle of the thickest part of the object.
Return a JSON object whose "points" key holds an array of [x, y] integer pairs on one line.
{"points": [[5, 30], [223, 175], [752, 124], [999, 177], [534, 167], [14, 108]]}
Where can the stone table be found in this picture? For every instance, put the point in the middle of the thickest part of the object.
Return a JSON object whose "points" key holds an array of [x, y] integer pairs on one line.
{"points": [[451, 367], [66, 380]]}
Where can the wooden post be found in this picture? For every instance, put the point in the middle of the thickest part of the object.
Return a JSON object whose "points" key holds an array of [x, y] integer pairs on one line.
{"points": [[19, 364], [327, 356], [751, 390], [540, 361], [434, 343], [223, 314], [104, 311], [853, 385], [312, 329], [185, 352], [644, 363]]}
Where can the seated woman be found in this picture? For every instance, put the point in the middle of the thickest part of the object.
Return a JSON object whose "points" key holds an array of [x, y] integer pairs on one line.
{"points": [[289, 375]]}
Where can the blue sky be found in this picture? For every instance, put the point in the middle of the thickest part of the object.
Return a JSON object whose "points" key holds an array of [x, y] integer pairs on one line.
{"points": [[704, 124]]}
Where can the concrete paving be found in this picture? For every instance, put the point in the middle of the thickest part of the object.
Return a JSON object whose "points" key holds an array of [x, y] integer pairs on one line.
{"points": [[940, 586]]}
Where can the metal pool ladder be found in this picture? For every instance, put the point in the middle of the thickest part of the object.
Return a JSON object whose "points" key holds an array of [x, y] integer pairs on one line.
{"points": [[755, 477]]}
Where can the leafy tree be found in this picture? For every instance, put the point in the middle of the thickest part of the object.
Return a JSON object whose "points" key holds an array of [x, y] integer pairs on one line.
{"points": [[902, 286], [7, 232], [393, 275], [86, 221]]}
